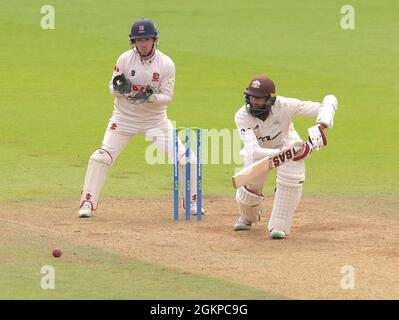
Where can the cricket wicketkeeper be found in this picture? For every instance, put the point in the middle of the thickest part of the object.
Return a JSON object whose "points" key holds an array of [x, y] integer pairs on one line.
{"points": [[265, 127], [143, 83]]}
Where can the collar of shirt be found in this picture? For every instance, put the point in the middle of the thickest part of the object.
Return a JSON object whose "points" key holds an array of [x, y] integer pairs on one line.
{"points": [[149, 61]]}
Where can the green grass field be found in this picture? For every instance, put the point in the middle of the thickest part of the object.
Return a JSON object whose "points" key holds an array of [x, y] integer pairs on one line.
{"points": [[83, 273], [55, 105]]}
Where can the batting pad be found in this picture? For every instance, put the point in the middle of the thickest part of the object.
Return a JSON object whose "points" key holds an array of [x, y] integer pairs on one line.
{"points": [[286, 201], [290, 178], [249, 204], [97, 170]]}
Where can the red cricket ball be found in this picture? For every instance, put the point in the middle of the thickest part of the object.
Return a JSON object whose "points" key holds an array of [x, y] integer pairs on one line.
{"points": [[57, 253]]}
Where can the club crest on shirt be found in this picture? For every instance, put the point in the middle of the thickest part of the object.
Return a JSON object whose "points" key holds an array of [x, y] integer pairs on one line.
{"points": [[155, 76], [133, 73]]}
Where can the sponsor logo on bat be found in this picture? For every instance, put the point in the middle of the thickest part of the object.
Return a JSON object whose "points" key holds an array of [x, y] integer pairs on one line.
{"points": [[283, 157]]}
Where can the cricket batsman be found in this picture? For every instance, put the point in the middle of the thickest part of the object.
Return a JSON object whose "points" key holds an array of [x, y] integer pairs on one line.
{"points": [[265, 127], [143, 83]]}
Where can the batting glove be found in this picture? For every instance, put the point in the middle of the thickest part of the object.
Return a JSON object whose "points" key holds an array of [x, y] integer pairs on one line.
{"points": [[317, 137], [303, 152]]}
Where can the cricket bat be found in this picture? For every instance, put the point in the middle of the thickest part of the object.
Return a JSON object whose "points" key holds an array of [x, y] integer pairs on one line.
{"points": [[266, 164]]}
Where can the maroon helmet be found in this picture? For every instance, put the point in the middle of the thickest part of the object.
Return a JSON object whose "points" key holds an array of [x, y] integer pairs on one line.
{"points": [[260, 87]]}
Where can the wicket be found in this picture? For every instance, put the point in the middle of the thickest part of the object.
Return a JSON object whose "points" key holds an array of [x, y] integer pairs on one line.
{"points": [[188, 172]]}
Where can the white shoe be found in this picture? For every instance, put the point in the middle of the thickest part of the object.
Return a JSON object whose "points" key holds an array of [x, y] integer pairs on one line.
{"points": [[277, 234], [86, 210], [193, 209], [242, 224]]}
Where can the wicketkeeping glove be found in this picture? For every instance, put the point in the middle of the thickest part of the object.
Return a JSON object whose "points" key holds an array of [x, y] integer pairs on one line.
{"points": [[142, 96], [121, 84]]}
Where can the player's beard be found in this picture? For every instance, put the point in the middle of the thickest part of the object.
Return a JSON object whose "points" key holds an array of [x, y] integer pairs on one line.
{"points": [[148, 55], [260, 113]]}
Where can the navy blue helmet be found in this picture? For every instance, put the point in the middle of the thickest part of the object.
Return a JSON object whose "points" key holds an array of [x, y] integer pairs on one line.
{"points": [[143, 28]]}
